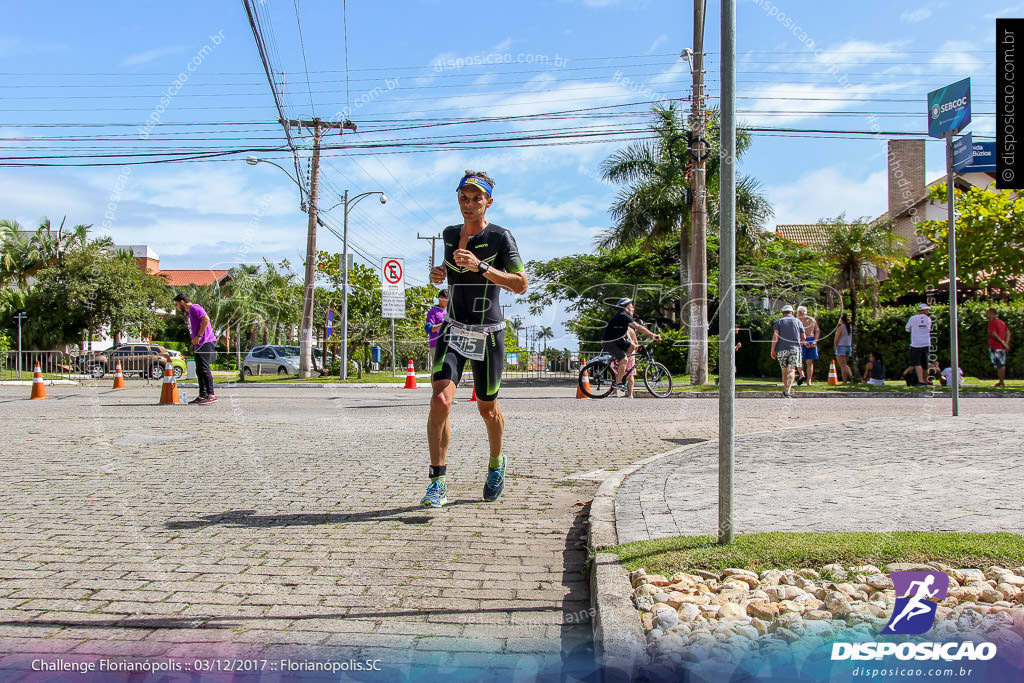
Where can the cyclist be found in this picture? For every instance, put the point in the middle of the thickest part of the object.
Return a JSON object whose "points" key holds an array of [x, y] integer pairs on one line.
{"points": [[616, 341], [480, 259]]}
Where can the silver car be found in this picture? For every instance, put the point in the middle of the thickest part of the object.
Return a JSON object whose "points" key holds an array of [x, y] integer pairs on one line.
{"points": [[276, 359]]}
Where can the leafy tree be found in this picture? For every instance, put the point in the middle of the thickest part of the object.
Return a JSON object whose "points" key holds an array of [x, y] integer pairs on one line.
{"points": [[858, 250], [588, 285], [785, 270], [989, 241], [653, 201], [20, 258], [90, 287]]}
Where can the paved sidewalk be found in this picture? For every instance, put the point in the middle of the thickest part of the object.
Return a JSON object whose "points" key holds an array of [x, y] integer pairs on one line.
{"points": [[286, 522], [929, 473]]}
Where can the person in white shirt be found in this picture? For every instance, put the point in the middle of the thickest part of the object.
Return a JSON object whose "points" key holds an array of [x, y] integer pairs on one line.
{"points": [[920, 328]]}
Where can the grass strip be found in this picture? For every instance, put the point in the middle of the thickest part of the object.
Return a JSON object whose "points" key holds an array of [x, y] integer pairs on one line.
{"points": [[776, 550]]}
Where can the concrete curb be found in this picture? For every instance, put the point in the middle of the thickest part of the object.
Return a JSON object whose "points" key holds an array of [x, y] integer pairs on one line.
{"points": [[777, 394], [618, 634], [48, 382]]}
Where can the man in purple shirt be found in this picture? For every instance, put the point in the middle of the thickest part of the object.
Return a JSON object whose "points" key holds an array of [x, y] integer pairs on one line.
{"points": [[203, 342], [435, 316]]}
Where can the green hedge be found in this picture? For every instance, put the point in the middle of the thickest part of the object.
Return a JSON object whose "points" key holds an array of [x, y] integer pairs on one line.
{"points": [[884, 331], [180, 347], [674, 351]]}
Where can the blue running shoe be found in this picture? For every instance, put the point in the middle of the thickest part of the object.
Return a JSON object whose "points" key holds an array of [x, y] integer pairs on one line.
{"points": [[495, 480], [437, 494]]}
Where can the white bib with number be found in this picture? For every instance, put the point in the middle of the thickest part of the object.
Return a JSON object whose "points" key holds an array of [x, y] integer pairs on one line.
{"points": [[467, 343]]}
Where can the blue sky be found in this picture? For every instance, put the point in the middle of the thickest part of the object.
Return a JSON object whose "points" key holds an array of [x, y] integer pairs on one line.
{"points": [[84, 79]]}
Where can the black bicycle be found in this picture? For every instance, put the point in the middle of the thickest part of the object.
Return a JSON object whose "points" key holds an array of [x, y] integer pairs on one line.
{"points": [[601, 377]]}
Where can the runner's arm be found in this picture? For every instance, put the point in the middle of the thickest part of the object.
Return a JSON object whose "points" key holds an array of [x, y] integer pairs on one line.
{"points": [[775, 340]]}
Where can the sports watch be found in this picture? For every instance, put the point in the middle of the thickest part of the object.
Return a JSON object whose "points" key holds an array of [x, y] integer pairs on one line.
{"points": [[483, 267]]}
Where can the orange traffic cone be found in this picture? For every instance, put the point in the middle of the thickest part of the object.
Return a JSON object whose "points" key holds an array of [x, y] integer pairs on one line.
{"points": [[410, 377], [118, 376], [585, 382], [169, 390], [474, 395], [833, 378], [38, 389]]}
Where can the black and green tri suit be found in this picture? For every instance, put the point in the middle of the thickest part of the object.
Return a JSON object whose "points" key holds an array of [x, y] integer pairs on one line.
{"points": [[473, 304]]}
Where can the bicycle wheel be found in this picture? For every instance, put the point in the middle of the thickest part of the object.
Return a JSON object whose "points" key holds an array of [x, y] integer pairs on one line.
{"points": [[600, 382], [658, 380]]}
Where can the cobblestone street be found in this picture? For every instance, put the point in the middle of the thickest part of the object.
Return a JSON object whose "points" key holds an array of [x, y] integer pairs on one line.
{"points": [[285, 520]]}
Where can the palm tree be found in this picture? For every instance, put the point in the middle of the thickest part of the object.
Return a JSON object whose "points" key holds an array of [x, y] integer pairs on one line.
{"points": [[653, 202], [858, 250], [20, 257]]}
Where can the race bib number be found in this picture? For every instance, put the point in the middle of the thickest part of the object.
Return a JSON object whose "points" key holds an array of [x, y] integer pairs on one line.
{"points": [[467, 343]]}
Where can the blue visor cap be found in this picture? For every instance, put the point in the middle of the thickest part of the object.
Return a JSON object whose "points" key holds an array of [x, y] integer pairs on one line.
{"points": [[476, 182]]}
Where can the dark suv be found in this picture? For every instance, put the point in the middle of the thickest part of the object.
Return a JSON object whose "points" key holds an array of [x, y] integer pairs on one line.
{"points": [[135, 359]]}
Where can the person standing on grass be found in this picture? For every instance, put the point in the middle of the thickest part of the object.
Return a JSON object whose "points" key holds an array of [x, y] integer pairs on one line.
{"points": [[809, 349], [787, 338], [203, 345], [844, 347], [480, 259], [920, 328], [998, 344]]}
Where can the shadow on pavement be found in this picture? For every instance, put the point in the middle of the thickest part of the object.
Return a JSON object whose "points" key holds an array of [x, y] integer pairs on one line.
{"points": [[241, 518], [684, 442], [215, 622]]}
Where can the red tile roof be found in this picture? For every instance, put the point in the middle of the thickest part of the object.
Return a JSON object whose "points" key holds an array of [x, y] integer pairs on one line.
{"points": [[812, 235], [178, 278]]}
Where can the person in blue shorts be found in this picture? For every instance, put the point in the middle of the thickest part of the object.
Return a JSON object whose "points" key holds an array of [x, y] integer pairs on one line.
{"points": [[480, 260], [809, 349]]}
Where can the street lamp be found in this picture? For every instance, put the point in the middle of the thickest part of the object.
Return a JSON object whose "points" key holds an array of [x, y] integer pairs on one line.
{"points": [[306, 330], [349, 204]]}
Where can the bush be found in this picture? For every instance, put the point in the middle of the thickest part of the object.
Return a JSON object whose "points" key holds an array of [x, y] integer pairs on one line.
{"points": [[180, 347], [5, 348], [674, 351]]}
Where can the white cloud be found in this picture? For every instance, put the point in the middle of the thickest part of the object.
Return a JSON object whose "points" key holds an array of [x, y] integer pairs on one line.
{"points": [[658, 42], [827, 192], [854, 52], [154, 54], [522, 208], [787, 103], [955, 56], [917, 15], [1004, 12]]}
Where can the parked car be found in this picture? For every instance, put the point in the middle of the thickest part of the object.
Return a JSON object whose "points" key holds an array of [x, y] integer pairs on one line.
{"points": [[136, 359], [276, 358]]}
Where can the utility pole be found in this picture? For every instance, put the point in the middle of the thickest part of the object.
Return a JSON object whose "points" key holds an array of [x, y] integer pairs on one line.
{"points": [[698, 149], [317, 127], [432, 238]]}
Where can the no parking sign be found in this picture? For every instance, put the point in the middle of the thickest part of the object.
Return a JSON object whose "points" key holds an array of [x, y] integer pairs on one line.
{"points": [[392, 287]]}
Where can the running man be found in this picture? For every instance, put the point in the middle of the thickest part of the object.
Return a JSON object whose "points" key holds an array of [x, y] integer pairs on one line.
{"points": [[480, 259], [915, 606]]}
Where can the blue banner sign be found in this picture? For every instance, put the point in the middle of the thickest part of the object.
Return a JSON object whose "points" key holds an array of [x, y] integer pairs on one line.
{"points": [[949, 109], [330, 322], [963, 152], [984, 159]]}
